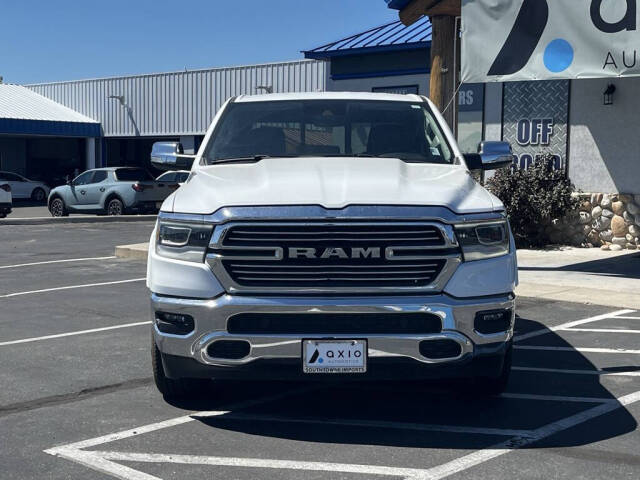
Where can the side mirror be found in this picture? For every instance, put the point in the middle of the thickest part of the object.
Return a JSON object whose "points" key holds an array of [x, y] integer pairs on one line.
{"points": [[170, 156], [491, 156]]}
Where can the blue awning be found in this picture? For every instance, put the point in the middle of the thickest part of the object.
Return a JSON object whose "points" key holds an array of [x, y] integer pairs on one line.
{"points": [[392, 36], [24, 112]]}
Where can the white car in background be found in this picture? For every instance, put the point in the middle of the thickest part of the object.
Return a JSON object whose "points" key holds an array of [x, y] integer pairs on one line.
{"points": [[22, 187], [5, 199], [174, 176]]}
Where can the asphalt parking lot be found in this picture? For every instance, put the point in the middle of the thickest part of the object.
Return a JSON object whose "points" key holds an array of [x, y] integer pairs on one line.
{"points": [[78, 400]]}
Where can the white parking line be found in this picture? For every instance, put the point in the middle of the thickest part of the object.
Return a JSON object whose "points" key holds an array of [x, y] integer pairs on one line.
{"points": [[576, 349], [104, 461], [578, 372], [71, 334], [601, 330], [481, 456], [630, 318], [71, 287], [556, 398], [57, 261], [567, 325]]}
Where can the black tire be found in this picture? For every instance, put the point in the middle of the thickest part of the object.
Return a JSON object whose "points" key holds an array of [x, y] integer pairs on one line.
{"points": [[57, 208], [173, 387], [493, 386], [115, 207], [38, 195]]}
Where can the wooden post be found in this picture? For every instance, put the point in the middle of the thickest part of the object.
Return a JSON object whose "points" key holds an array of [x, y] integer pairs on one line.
{"points": [[443, 66]]}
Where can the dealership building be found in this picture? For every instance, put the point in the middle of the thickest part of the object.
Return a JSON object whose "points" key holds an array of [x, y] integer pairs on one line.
{"points": [[49, 130]]}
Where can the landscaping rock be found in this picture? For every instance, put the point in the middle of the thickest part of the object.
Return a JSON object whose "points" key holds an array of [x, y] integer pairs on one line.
{"points": [[629, 237], [585, 206], [596, 212], [622, 241], [628, 218], [602, 223], [596, 198], [605, 247], [606, 201], [631, 246], [618, 226], [615, 248], [607, 213], [633, 209], [634, 230], [606, 235], [617, 207]]}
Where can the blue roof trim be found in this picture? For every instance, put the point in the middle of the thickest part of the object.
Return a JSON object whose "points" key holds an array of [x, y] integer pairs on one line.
{"points": [[388, 73], [388, 37], [358, 51], [397, 4], [18, 126]]}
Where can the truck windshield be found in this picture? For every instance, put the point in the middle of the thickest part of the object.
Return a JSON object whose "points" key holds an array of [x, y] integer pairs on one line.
{"points": [[292, 128]]}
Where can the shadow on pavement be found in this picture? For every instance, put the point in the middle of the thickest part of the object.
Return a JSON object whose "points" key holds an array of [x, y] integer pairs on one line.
{"points": [[626, 266], [335, 413]]}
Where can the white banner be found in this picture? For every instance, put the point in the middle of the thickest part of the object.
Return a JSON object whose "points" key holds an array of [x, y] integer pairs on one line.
{"points": [[505, 40]]}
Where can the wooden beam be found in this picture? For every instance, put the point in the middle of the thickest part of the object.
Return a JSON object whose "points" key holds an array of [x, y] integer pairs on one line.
{"points": [[412, 12], [441, 84], [416, 9]]}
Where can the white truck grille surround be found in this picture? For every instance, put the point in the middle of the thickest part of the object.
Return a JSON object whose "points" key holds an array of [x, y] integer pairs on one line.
{"points": [[332, 257]]}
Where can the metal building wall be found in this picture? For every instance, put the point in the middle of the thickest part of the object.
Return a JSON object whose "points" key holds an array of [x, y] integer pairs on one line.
{"points": [[177, 103]]}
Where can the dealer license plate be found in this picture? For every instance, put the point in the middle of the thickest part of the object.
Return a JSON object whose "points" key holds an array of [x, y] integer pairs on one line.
{"points": [[334, 356]]}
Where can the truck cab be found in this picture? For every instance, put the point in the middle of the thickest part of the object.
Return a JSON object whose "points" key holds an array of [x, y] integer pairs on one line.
{"points": [[332, 237]]}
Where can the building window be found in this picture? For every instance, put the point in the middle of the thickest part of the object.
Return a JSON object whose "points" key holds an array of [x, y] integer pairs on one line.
{"points": [[470, 116]]}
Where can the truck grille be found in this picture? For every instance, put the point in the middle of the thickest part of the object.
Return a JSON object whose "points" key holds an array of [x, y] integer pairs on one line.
{"points": [[330, 256]]}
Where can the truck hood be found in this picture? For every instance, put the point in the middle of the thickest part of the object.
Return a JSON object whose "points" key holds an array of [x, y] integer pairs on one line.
{"points": [[331, 183]]}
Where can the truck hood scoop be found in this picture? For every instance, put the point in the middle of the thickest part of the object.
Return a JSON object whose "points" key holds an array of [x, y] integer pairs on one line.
{"points": [[332, 183]]}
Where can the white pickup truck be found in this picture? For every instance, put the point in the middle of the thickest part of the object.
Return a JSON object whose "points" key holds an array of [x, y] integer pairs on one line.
{"points": [[332, 236]]}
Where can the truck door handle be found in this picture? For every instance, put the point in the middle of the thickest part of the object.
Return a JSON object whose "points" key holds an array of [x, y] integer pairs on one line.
{"points": [[83, 192], [102, 189]]}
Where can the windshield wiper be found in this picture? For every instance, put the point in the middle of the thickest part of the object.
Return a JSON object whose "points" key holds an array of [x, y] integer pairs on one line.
{"points": [[250, 158]]}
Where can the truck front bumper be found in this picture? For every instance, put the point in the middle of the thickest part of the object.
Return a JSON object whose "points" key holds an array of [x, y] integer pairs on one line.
{"points": [[390, 356]]}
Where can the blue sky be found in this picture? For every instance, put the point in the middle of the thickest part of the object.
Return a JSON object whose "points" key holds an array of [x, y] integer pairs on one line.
{"points": [[45, 40]]}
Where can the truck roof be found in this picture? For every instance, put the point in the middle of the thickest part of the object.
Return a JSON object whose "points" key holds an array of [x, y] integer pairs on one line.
{"points": [[329, 96]]}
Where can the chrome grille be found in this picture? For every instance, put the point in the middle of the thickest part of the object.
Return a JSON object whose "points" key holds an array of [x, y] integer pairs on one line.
{"points": [[332, 257]]}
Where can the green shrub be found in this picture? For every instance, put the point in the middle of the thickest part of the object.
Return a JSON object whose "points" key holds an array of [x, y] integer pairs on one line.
{"points": [[533, 198]]}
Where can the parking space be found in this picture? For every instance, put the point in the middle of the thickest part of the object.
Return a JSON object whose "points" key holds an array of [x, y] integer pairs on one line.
{"points": [[78, 400]]}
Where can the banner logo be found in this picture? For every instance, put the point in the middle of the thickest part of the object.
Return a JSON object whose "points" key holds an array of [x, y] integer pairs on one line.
{"points": [[531, 23]]}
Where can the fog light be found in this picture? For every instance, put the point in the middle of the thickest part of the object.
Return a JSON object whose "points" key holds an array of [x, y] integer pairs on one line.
{"points": [[174, 323], [229, 349], [493, 321]]}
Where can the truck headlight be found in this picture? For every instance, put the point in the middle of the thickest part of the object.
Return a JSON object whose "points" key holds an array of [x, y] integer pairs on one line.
{"points": [[483, 240], [183, 241]]}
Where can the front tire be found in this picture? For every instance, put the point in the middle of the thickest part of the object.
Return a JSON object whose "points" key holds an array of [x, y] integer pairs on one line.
{"points": [[172, 387], [38, 195], [115, 207], [57, 208]]}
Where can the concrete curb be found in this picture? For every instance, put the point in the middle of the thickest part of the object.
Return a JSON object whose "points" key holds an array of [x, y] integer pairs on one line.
{"points": [[77, 219], [567, 293], [135, 250]]}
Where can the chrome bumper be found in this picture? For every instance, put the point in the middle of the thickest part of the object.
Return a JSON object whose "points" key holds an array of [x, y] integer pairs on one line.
{"points": [[211, 319]]}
